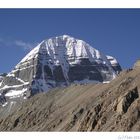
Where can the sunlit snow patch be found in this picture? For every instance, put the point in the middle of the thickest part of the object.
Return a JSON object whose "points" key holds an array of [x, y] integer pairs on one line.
{"points": [[4, 104], [16, 93]]}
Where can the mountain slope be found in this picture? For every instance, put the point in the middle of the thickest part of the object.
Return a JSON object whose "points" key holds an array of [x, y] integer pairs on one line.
{"points": [[56, 62], [92, 107]]}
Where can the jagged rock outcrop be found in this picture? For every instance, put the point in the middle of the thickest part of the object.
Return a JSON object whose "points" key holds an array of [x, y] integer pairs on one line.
{"points": [[126, 100]]}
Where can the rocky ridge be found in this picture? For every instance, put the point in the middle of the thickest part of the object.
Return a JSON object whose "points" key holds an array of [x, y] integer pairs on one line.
{"points": [[92, 107]]}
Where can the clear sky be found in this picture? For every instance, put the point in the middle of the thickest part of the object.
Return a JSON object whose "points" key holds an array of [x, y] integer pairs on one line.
{"points": [[114, 32]]}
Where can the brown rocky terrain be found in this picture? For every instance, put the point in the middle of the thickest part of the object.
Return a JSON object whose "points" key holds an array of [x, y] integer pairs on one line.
{"points": [[90, 107]]}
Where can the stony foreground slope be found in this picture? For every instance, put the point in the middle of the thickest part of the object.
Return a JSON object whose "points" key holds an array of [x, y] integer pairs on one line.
{"points": [[91, 107]]}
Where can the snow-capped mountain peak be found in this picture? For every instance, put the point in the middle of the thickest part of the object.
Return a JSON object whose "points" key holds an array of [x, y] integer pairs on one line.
{"points": [[68, 46], [58, 61]]}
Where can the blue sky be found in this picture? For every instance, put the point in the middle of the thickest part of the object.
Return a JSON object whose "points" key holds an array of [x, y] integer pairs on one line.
{"points": [[114, 32]]}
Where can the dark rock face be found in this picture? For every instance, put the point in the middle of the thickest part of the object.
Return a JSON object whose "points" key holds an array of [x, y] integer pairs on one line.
{"points": [[58, 74], [91, 71], [117, 68], [2, 100]]}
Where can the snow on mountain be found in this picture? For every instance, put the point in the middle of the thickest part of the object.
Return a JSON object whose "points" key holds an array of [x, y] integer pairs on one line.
{"points": [[58, 61], [116, 66], [1, 78], [112, 60]]}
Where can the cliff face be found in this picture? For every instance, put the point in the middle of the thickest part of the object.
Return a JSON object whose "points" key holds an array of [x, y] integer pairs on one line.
{"points": [[91, 107]]}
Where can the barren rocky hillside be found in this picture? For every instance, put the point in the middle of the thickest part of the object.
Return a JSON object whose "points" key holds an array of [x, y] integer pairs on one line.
{"points": [[90, 107]]}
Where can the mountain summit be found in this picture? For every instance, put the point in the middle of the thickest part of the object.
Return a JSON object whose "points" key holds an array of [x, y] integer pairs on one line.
{"points": [[55, 62]]}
